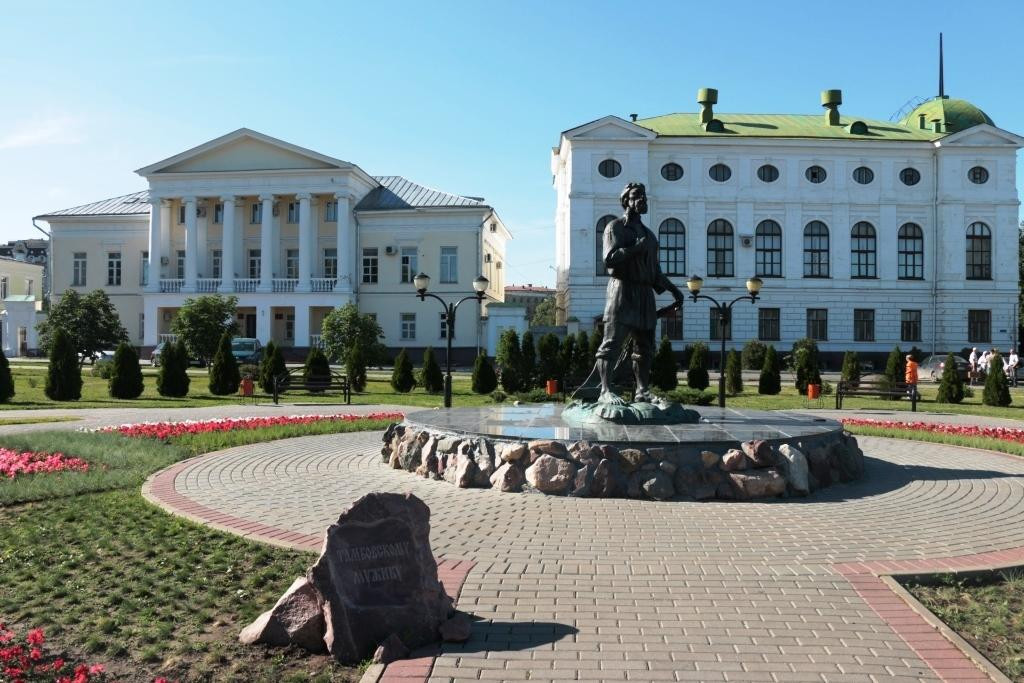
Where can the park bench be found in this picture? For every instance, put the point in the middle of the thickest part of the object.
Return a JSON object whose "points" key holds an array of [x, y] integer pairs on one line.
{"points": [[293, 379], [876, 388]]}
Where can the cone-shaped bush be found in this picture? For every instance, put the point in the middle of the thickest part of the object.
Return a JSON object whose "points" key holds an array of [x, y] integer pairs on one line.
{"points": [[565, 356], [355, 366], [510, 360], [894, 367], [126, 378], [271, 366], [528, 355], [733, 373], [431, 378], [224, 375], [997, 391], [951, 386], [851, 367], [697, 375], [6, 380], [664, 369], [549, 358], [753, 355], [770, 381], [582, 363], [172, 379], [484, 379], [317, 368], [402, 379], [63, 377]]}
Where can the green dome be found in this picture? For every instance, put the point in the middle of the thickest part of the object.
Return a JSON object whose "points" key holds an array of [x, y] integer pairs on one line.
{"points": [[956, 115]]}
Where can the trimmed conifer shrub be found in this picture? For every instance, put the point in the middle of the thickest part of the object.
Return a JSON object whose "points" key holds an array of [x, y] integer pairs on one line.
{"points": [[805, 364], [565, 356], [997, 391], [402, 379], [224, 375], [355, 366], [316, 368], [172, 379], [63, 376], [549, 358], [126, 376], [272, 366], [484, 379], [430, 377], [664, 369], [697, 375], [851, 367], [894, 366], [6, 379], [753, 355], [733, 373], [770, 380], [582, 362], [951, 385], [528, 355], [510, 359]]}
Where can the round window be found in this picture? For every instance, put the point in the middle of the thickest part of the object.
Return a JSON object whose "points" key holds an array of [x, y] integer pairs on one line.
{"points": [[863, 175], [910, 176], [978, 175], [609, 168], [768, 173], [720, 173], [815, 174], [672, 171]]}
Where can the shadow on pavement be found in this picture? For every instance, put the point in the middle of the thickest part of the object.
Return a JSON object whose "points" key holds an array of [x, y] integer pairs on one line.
{"points": [[510, 636]]}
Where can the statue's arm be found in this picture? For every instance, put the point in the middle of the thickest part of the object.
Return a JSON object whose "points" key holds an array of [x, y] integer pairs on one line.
{"points": [[616, 250], [663, 284]]}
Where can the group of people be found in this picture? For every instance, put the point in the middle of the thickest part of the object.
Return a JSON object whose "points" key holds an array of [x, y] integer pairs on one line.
{"points": [[981, 364]]}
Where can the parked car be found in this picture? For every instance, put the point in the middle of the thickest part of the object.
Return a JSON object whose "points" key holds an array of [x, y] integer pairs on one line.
{"points": [[247, 350], [932, 367], [154, 356]]}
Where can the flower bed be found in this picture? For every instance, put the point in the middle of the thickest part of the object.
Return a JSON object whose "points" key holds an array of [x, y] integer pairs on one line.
{"points": [[1000, 433], [29, 661], [169, 430], [13, 463]]}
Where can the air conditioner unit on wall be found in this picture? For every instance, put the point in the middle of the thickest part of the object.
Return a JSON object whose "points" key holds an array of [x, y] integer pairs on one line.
{"points": [[164, 260], [747, 240], [487, 258], [390, 251]]}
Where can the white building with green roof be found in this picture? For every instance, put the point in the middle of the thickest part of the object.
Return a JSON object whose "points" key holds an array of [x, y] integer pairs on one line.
{"points": [[867, 234]]}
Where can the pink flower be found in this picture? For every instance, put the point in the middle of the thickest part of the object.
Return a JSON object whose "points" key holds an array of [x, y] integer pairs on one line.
{"points": [[97, 669], [35, 637]]}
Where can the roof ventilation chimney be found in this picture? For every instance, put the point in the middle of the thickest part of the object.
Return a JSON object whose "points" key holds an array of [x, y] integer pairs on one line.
{"points": [[706, 98], [831, 99], [632, 117]]}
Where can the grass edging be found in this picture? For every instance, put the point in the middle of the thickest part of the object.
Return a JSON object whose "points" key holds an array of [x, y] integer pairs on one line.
{"points": [[977, 442]]}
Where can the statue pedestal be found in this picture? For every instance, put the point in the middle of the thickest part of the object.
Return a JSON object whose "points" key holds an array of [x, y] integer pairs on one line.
{"points": [[580, 413]]}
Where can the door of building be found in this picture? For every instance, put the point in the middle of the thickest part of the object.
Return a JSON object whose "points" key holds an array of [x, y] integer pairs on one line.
{"points": [[250, 325]]}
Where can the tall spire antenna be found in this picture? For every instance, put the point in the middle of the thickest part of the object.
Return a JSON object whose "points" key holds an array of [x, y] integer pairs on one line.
{"points": [[942, 86]]}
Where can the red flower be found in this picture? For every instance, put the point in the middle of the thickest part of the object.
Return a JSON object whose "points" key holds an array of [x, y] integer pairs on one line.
{"points": [[97, 669], [35, 637], [169, 430]]}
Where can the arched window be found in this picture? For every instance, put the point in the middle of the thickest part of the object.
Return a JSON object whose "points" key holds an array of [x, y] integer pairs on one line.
{"points": [[816, 249], [863, 251], [599, 253], [672, 247], [910, 244], [979, 252], [768, 243], [720, 250]]}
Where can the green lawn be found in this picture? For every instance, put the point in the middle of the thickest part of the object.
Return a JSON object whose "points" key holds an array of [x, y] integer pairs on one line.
{"points": [[33, 420]]}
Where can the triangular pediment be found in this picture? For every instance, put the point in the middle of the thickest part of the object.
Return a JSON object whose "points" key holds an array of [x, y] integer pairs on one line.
{"points": [[610, 128], [982, 135], [241, 151]]}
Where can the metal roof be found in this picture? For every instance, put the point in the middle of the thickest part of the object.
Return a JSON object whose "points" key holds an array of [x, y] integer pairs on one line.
{"points": [[136, 203], [396, 193], [783, 126]]}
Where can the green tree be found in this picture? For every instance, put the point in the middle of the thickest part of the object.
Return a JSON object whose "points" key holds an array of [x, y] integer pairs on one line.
{"points": [[565, 355], [316, 368], [582, 363], [6, 379], [770, 380], [343, 326], [894, 368], [733, 373], [430, 377], [951, 385], [172, 379], [544, 314], [528, 353], [126, 378], [806, 366], [64, 375], [402, 379], [224, 375], [202, 321], [484, 379], [90, 323], [355, 367], [997, 391], [510, 360], [753, 355], [851, 367], [664, 368], [697, 375], [272, 365], [549, 357]]}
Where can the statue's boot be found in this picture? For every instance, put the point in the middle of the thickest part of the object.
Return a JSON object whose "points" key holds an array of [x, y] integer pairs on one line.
{"points": [[642, 374]]}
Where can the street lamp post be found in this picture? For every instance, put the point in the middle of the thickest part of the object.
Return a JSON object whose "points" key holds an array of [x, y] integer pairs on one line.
{"points": [[421, 282], [724, 312]]}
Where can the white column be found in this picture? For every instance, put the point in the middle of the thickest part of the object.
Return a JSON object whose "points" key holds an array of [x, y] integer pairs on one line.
{"points": [[150, 322], [301, 325], [166, 227], [191, 245], [346, 245], [155, 243], [306, 246], [227, 245], [202, 234], [266, 249], [263, 319]]}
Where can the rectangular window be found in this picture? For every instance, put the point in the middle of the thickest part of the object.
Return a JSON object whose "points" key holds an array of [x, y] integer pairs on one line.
{"points": [[28, 287], [410, 263], [181, 214], [768, 324], [817, 324], [3, 287], [78, 269], [144, 269], [444, 327], [672, 325], [910, 326], [408, 326], [331, 212], [142, 325], [716, 327], [113, 269], [256, 213], [254, 264], [450, 265], [331, 262], [293, 212], [218, 213], [216, 263], [291, 263], [370, 265], [289, 327], [181, 264], [863, 324], [979, 327]]}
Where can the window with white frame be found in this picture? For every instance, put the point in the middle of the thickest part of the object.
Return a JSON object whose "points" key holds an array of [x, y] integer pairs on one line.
{"points": [[408, 326], [331, 262], [444, 326], [289, 327], [331, 212], [291, 263], [410, 263], [449, 265], [864, 324], [78, 269], [717, 319], [293, 212], [144, 269], [181, 265], [768, 324], [672, 325], [254, 264], [113, 269], [370, 265], [910, 325], [216, 261], [256, 213]]}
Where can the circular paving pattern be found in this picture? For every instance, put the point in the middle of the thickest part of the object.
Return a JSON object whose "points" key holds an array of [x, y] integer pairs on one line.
{"points": [[616, 589]]}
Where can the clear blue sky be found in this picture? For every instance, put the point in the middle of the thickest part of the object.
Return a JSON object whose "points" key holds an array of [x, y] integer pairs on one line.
{"points": [[467, 97]]}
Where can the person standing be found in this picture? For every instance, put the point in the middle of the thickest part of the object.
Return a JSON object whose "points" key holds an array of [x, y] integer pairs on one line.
{"points": [[910, 377], [1012, 361], [973, 360]]}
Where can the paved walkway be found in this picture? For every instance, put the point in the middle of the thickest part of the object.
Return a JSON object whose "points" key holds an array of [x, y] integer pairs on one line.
{"points": [[571, 589]]}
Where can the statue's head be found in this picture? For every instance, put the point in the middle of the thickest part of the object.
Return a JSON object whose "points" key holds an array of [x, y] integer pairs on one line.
{"points": [[634, 198]]}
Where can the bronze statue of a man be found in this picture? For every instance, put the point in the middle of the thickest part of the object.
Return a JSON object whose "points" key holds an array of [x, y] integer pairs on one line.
{"points": [[631, 256]]}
